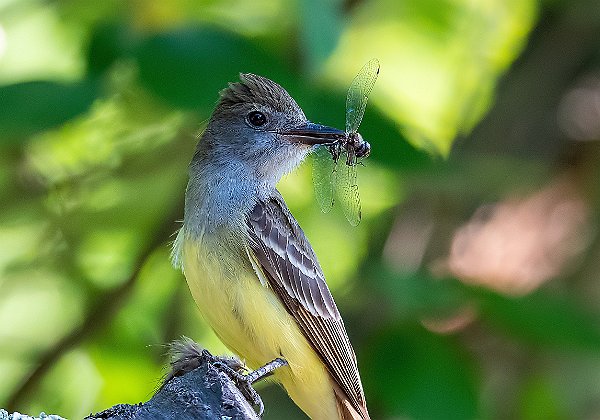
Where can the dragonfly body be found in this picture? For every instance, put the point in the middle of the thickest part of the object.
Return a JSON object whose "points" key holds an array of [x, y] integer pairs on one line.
{"points": [[353, 145]]}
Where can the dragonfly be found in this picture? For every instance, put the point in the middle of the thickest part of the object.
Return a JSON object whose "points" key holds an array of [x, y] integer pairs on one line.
{"points": [[334, 180]]}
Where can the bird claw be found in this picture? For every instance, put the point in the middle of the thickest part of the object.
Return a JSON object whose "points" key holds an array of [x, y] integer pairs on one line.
{"points": [[250, 394], [233, 367], [186, 355]]}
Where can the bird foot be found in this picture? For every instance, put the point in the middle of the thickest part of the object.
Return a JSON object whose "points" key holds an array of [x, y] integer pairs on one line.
{"points": [[187, 355], [244, 381]]}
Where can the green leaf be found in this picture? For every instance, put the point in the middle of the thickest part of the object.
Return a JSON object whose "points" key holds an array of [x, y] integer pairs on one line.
{"points": [[320, 27], [109, 42], [542, 319], [411, 373], [189, 66], [415, 295], [29, 107], [539, 318]]}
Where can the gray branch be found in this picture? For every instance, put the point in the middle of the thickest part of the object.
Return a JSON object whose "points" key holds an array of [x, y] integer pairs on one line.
{"points": [[204, 393]]}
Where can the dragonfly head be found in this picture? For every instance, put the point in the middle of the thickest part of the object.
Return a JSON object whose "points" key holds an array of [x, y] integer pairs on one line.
{"points": [[362, 148]]}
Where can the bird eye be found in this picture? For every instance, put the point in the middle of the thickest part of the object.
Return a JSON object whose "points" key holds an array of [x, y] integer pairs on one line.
{"points": [[256, 118]]}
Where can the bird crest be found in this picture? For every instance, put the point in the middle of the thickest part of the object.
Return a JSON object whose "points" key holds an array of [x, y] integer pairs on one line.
{"points": [[254, 89]]}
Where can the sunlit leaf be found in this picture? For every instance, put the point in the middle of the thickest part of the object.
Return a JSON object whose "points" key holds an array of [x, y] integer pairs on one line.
{"points": [[540, 399], [440, 61]]}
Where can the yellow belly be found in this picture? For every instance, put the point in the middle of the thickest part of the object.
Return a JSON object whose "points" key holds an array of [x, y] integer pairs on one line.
{"points": [[250, 320]]}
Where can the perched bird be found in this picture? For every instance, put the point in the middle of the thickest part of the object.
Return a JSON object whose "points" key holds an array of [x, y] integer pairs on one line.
{"points": [[249, 266]]}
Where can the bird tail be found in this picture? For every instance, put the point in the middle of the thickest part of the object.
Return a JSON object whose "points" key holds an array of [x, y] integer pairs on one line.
{"points": [[347, 411]]}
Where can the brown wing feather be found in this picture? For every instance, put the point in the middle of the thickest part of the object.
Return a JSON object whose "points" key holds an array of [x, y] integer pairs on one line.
{"points": [[293, 272]]}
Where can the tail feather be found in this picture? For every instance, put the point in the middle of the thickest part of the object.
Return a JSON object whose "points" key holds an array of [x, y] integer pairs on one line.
{"points": [[346, 410]]}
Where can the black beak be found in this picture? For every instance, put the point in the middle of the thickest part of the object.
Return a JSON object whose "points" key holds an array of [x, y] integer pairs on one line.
{"points": [[312, 134]]}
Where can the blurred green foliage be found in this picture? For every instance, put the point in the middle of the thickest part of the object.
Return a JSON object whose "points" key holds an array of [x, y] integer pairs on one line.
{"points": [[100, 107]]}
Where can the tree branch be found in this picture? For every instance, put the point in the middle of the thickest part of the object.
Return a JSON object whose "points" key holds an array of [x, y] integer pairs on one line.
{"points": [[203, 393]]}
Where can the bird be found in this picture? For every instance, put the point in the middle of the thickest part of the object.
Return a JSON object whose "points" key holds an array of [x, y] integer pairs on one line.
{"points": [[250, 268]]}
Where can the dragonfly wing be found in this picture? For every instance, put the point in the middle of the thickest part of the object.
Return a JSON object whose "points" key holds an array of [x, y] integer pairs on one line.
{"points": [[347, 190], [358, 94], [324, 168]]}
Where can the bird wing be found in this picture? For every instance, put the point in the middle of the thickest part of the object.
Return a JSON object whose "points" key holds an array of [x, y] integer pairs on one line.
{"points": [[293, 272]]}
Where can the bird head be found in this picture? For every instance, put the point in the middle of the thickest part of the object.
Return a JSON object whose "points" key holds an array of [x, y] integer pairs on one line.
{"points": [[257, 123]]}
